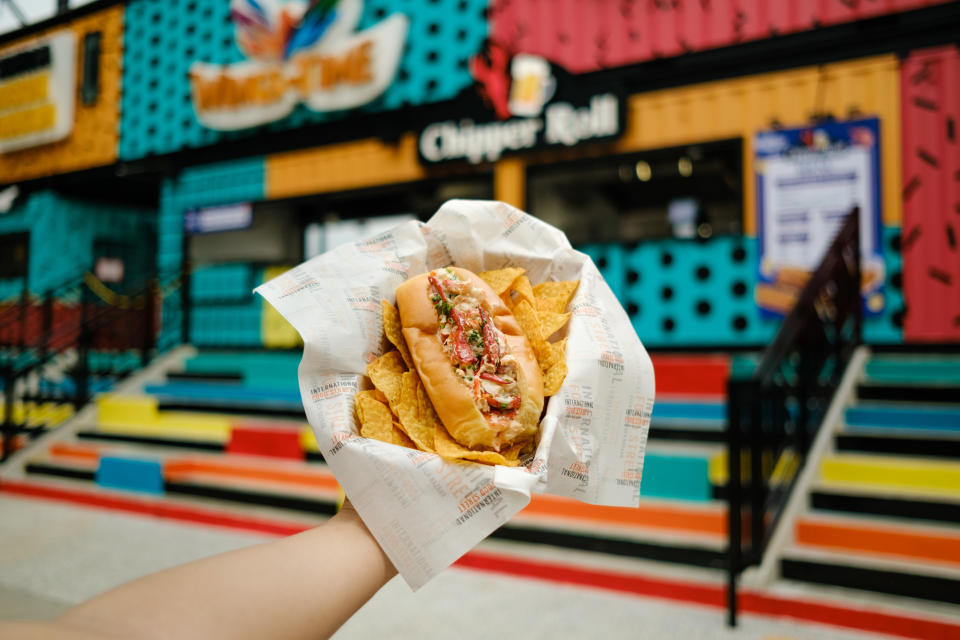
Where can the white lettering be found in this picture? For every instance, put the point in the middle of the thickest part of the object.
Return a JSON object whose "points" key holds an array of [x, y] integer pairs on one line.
{"points": [[563, 124], [568, 125]]}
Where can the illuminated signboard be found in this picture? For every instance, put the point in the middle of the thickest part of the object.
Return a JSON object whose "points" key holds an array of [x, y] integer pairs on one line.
{"points": [[519, 103], [297, 52], [37, 92]]}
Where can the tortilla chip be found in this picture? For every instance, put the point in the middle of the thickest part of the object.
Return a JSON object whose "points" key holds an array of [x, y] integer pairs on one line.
{"points": [[501, 279], [519, 290], [375, 418], [555, 296], [400, 438], [530, 324], [552, 322], [408, 410], [449, 448], [385, 374], [554, 377], [555, 352], [392, 329]]}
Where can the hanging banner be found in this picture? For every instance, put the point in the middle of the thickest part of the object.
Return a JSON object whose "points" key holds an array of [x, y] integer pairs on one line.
{"points": [[519, 103], [808, 180], [37, 87], [297, 53]]}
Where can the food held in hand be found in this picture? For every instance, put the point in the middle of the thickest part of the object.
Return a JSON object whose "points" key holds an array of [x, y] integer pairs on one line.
{"points": [[475, 363], [471, 367]]}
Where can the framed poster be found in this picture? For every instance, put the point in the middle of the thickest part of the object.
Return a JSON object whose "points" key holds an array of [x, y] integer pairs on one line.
{"points": [[808, 180]]}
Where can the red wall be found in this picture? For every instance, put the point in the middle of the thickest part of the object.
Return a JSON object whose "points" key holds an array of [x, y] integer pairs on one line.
{"points": [[586, 35], [930, 88]]}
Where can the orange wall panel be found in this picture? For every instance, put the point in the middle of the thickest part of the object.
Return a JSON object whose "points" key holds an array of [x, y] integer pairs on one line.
{"points": [[93, 141], [341, 167]]}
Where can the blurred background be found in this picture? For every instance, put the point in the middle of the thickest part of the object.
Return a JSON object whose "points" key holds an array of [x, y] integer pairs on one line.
{"points": [[770, 188]]}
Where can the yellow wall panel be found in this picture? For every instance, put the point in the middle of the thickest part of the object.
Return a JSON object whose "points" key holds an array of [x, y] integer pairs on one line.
{"points": [[93, 141], [275, 331], [510, 181], [740, 107]]}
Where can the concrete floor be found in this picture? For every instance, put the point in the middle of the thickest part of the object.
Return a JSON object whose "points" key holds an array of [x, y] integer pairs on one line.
{"points": [[54, 555]]}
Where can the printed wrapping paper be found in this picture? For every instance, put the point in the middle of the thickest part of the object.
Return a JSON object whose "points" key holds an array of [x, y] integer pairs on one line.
{"points": [[423, 510]]}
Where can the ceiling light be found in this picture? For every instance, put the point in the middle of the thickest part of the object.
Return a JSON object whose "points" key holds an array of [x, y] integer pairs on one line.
{"points": [[643, 171]]}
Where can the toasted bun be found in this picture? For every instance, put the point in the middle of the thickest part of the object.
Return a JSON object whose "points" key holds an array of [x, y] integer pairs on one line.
{"points": [[452, 400]]}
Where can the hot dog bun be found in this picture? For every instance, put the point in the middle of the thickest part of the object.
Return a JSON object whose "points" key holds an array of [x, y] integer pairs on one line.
{"points": [[451, 397]]}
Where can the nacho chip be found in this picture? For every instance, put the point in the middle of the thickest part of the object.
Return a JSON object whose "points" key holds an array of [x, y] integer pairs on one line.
{"points": [[385, 374], [392, 329], [449, 448], [554, 377], [519, 290], [369, 393], [555, 296], [552, 322], [400, 438], [555, 352], [530, 324], [408, 410], [375, 418], [501, 279]]}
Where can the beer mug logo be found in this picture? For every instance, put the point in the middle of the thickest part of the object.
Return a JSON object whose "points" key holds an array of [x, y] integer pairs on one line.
{"points": [[533, 85]]}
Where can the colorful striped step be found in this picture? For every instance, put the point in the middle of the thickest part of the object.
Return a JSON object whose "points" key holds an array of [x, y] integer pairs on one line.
{"points": [[927, 543], [691, 375], [206, 393], [897, 417], [893, 578], [936, 445], [895, 474], [707, 414], [935, 370], [877, 503], [263, 369], [920, 393], [139, 417]]}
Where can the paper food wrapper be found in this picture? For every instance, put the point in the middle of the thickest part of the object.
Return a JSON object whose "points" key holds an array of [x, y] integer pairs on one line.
{"points": [[425, 511]]}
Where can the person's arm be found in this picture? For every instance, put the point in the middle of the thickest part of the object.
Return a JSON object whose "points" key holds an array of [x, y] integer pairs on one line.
{"points": [[304, 586]]}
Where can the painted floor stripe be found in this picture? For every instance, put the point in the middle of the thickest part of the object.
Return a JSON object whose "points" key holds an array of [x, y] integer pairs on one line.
{"points": [[711, 595]]}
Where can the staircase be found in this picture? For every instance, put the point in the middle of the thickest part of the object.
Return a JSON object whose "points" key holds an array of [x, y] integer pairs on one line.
{"points": [[225, 430], [884, 509]]}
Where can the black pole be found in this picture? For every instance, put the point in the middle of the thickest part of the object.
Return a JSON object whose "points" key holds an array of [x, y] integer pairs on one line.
{"points": [[734, 411], [8, 427], [24, 305], [760, 399], [149, 330], [82, 378]]}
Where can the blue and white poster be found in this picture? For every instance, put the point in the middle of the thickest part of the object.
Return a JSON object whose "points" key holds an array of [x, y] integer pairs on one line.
{"points": [[808, 180]]}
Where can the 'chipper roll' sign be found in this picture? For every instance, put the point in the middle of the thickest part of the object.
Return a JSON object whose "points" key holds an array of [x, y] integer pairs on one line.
{"points": [[530, 111]]}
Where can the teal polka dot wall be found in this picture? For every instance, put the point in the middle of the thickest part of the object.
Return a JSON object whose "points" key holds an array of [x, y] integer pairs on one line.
{"points": [[164, 37], [682, 293]]}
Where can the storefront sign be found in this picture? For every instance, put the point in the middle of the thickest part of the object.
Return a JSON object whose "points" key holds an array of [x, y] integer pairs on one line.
{"points": [[523, 109], [808, 180], [297, 53], [231, 217], [37, 87]]}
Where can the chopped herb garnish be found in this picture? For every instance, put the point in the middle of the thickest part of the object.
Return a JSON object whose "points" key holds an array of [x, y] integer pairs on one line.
{"points": [[443, 307], [475, 338]]}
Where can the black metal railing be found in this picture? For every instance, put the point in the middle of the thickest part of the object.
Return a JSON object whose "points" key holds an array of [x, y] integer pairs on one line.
{"points": [[96, 332], [774, 415]]}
